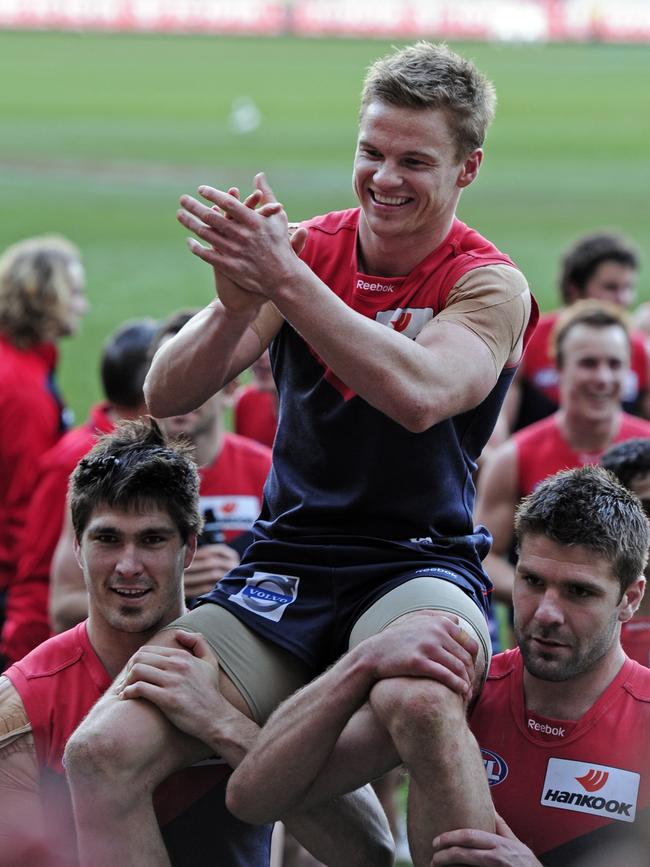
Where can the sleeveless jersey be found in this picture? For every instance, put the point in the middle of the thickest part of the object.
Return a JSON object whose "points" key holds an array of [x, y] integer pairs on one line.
{"points": [[543, 451], [58, 683], [343, 469], [565, 786], [231, 487]]}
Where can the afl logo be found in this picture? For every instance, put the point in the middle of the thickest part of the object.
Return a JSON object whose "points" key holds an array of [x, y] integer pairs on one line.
{"points": [[495, 767]]}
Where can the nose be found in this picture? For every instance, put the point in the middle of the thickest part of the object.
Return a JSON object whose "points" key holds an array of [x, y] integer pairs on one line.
{"points": [[387, 175], [129, 562], [549, 610]]}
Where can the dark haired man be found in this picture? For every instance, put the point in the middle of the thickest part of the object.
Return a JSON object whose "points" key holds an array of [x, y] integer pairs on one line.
{"points": [[630, 463], [134, 504], [602, 266], [591, 348], [393, 338], [563, 720], [123, 367]]}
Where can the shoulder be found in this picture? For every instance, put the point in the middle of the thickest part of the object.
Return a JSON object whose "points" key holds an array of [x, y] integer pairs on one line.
{"points": [[632, 426], [50, 658], [335, 221], [637, 683], [246, 448], [503, 665], [539, 431], [14, 722]]}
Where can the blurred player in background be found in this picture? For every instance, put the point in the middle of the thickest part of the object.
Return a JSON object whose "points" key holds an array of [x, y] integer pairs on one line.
{"points": [[42, 299], [630, 463], [123, 367], [592, 353], [603, 266]]}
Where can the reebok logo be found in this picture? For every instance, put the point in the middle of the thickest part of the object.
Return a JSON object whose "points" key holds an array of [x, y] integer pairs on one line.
{"points": [[546, 729], [593, 780], [566, 782], [374, 287]]}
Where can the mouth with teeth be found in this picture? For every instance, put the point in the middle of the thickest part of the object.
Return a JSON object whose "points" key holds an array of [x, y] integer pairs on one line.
{"points": [[130, 592], [390, 201]]}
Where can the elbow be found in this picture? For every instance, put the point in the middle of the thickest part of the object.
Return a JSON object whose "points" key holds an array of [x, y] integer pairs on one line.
{"points": [[242, 806], [155, 398]]}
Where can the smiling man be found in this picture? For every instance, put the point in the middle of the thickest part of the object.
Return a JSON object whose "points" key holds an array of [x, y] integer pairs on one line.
{"points": [[135, 509], [591, 346], [394, 332], [564, 720]]}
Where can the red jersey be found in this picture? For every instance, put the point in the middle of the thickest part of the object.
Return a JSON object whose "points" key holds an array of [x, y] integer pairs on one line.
{"points": [[543, 451], [563, 784], [231, 487], [540, 376], [256, 414], [31, 416], [635, 638], [27, 621], [58, 683]]}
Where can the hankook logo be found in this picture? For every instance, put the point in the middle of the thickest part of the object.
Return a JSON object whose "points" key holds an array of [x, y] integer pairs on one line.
{"points": [[566, 783]]}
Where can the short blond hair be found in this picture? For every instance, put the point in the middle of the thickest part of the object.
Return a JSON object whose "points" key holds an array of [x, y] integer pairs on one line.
{"points": [[35, 284], [589, 312], [427, 75]]}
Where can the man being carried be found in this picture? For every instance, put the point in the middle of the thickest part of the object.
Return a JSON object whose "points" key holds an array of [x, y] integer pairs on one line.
{"points": [[393, 340]]}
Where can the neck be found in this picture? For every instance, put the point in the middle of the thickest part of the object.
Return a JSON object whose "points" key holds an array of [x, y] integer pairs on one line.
{"points": [[208, 444], [396, 256], [115, 647], [570, 700], [585, 434]]}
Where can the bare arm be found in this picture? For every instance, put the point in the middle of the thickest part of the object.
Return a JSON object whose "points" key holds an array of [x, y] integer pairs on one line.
{"points": [[482, 849], [22, 831], [351, 829], [497, 498], [302, 734], [68, 596], [414, 382], [213, 348]]}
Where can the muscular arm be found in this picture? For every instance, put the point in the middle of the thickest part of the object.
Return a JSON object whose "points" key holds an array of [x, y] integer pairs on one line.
{"points": [[304, 735], [497, 498], [448, 369], [22, 832], [351, 829]]}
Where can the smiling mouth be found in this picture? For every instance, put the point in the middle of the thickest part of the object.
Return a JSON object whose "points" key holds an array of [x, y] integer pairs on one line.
{"points": [[130, 594], [392, 201]]}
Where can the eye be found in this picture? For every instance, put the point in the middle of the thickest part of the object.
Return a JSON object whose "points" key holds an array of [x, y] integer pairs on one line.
{"points": [[371, 153], [105, 538], [580, 592], [531, 580], [414, 163], [154, 539]]}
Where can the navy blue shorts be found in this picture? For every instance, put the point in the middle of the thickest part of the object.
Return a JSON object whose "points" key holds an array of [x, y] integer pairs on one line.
{"points": [[307, 596]]}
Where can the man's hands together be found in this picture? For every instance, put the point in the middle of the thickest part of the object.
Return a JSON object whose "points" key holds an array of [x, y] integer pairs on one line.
{"points": [[479, 848], [249, 245]]}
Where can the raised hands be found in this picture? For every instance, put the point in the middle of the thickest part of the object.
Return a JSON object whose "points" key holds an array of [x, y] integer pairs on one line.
{"points": [[249, 247]]}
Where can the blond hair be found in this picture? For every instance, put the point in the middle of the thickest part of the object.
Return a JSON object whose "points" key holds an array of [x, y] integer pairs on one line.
{"points": [[35, 285], [425, 75]]}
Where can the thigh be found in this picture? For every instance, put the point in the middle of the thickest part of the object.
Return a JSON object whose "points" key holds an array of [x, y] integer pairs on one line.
{"points": [[427, 592], [256, 675]]}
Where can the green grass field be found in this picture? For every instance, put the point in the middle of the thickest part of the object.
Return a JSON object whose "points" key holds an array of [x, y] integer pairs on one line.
{"points": [[100, 134]]}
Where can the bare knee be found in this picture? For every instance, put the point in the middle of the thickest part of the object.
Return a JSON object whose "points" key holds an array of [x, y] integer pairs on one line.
{"points": [[407, 704]]}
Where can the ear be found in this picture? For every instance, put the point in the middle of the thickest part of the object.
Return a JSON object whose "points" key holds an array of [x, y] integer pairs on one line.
{"points": [[469, 168], [190, 550], [76, 547], [631, 600]]}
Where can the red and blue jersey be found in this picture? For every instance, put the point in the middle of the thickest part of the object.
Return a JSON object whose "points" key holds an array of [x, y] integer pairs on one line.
{"points": [[566, 785]]}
